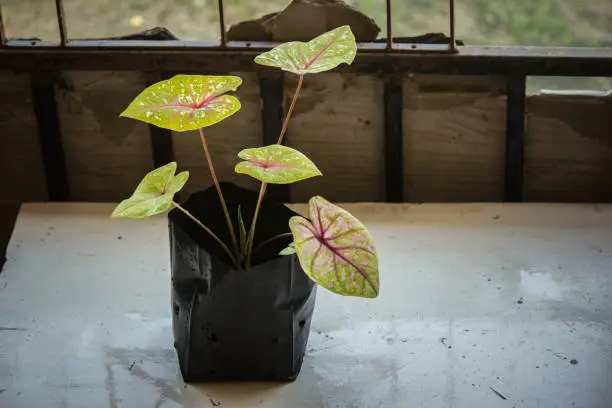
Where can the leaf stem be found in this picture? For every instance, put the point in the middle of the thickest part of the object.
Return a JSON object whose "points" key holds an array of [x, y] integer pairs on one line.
{"points": [[290, 111], [274, 238], [216, 181], [205, 228], [262, 190]]}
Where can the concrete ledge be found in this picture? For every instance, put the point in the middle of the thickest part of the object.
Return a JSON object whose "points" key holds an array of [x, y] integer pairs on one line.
{"points": [[481, 306]]}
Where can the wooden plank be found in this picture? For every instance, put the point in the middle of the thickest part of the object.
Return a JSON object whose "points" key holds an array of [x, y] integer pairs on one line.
{"points": [[454, 139], [339, 123], [106, 155], [568, 149]]}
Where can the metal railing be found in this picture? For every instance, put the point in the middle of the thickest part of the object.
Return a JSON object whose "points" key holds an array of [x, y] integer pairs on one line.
{"points": [[44, 59], [176, 55], [65, 40]]}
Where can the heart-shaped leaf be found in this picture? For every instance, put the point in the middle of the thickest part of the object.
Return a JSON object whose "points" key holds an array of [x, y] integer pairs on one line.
{"points": [[276, 164], [320, 54], [154, 193], [336, 250], [186, 102]]}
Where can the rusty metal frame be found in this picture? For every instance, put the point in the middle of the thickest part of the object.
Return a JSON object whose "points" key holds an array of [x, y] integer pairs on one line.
{"points": [[393, 98], [515, 137], [389, 26], [222, 29], [389, 59], [451, 18], [50, 135], [61, 22], [2, 33], [271, 89], [371, 58], [162, 147]]}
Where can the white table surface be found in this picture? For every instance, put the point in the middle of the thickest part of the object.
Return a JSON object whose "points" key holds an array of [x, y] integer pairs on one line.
{"points": [[480, 306]]}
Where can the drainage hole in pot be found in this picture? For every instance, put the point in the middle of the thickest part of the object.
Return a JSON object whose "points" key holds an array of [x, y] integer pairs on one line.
{"points": [[275, 340], [302, 323], [212, 337], [176, 308]]}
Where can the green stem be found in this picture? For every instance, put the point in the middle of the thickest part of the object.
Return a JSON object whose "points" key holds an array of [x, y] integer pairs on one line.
{"points": [[205, 228], [216, 181], [262, 190]]}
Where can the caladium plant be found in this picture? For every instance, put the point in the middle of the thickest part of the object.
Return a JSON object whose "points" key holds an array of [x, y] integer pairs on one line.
{"points": [[333, 247]]}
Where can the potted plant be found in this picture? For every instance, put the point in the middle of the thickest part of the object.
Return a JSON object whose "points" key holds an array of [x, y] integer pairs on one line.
{"points": [[244, 267]]}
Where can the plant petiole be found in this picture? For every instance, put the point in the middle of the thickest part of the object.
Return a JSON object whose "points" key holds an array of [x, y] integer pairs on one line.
{"points": [[262, 190], [205, 228], [218, 187]]}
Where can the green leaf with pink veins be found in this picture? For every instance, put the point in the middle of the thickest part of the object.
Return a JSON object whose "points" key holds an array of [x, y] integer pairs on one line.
{"points": [[276, 164], [323, 53], [336, 250], [186, 102], [154, 194]]}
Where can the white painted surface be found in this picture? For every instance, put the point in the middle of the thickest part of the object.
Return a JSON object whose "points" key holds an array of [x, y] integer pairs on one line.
{"points": [[85, 322]]}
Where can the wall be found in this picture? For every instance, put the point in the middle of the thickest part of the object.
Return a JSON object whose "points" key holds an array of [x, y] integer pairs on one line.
{"points": [[454, 138]]}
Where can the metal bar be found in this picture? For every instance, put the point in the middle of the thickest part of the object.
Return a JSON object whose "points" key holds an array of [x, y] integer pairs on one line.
{"points": [[50, 136], [161, 145], [271, 89], [61, 22], [162, 148], [188, 46], [222, 24], [394, 139], [452, 24], [515, 138], [389, 27], [2, 33], [155, 57]]}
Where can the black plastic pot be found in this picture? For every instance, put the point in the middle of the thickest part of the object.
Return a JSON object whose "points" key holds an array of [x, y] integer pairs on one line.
{"points": [[232, 324]]}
